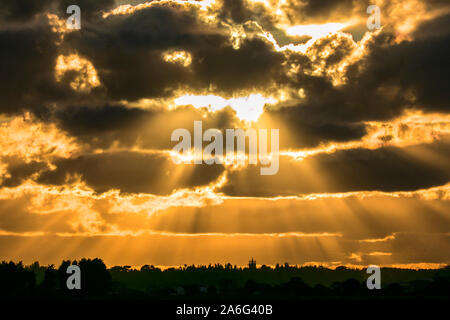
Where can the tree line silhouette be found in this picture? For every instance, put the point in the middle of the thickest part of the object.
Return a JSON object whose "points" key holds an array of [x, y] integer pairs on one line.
{"points": [[217, 282]]}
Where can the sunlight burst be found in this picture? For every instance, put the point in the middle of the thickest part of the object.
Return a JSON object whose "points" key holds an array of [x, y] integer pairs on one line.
{"points": [[247, 108]]}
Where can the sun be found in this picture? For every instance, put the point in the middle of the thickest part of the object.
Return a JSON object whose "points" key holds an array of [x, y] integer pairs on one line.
{"points": [[248, 108]]}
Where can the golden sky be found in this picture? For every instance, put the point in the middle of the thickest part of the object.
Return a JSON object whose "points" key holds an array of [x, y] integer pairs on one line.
{"points": [[86, 118]]}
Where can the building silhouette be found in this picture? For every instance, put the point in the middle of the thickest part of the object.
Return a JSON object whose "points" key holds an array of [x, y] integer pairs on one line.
{"points": [[252, 264]]}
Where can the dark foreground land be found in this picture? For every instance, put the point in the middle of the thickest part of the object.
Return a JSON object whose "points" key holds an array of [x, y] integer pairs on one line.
{"points": [[218, 282]]}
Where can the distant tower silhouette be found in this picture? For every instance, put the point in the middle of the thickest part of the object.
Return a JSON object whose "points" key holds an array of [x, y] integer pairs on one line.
{"points": [[252, 264]]}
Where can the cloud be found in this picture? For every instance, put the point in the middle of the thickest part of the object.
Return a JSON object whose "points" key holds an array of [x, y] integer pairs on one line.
{"points": [[309, 11], [23, 10], [407, 73], [304, 126], [388, 80], [19, 171], [126, 54], [128, 51], [438, 27], [130, 172], [27, 63], [91, 9], [357, 216], [123, 126], [385, 169]]}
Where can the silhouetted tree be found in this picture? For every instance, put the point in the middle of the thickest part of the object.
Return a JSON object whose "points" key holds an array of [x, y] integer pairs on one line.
{"points": [[15, 280], [217, 282], [50, 286], [95, 278]]}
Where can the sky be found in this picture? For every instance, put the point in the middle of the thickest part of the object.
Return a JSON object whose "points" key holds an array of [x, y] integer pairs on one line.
{"points": [[86, 117]]}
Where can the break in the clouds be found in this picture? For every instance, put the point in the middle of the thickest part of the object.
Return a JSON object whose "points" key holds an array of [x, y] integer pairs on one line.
{"points": [[86, 118]]}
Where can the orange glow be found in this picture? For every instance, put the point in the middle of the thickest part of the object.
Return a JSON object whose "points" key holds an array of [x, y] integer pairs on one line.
{"points": [[87, 75]]}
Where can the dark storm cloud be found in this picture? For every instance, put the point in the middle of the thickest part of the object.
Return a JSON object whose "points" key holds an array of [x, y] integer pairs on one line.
{"points": [[255, 65], [94, 120], [389, 80], [304, 127], [379, 87], [245, 13], [235, 10], [433, 4], [437, 27], [314, 11], [407, 68], [89, 8], [127, 52], [25, 10], [102, 126], [18, 171], [131, 172], [319, 7], [27, 62], [384, 169]]}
